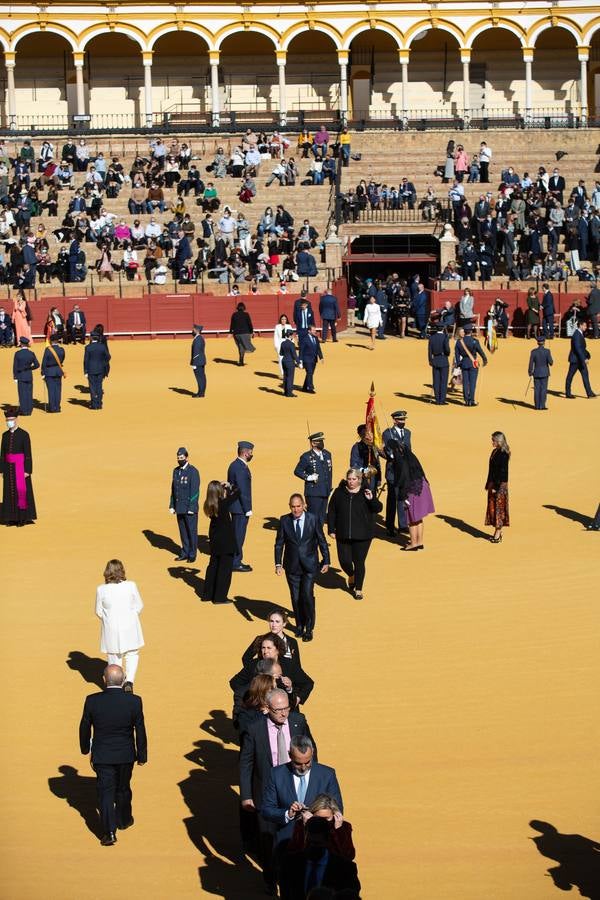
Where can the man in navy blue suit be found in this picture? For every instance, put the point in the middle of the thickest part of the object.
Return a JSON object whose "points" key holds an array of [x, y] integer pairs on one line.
{"points": [[315, 468], [95, 368], [299, 539], [540, 361], [198, 360], [24, 363], [294, 786], [303, 317], [547, 312], [310, 354], [239, 476], [76, 325], [185, 492], [578, 358], [53, 372], [329, 311], [112, 729], [439, 353]]}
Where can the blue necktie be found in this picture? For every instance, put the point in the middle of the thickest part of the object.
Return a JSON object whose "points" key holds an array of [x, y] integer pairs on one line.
{"points": [[298, 532], [301, 792]]}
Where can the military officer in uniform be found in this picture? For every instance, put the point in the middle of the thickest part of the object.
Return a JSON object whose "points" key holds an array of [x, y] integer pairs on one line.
{"points": [[393, 438], [540, 361], [439, 353], [95, 368], [53, 372], [24, 363], [239, 476], [185, 490], [198, 360], [365, 457], [467, 351], [315, 468]]}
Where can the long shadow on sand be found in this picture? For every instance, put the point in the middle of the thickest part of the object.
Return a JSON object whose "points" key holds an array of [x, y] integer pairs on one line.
{"points": [[189, 576], [426, 398], [520, 403], [464, 527], [251, 609], [89, 667], [220, 726], [183, 391], [225, 362], [571, 514], [268, 375], [578, 859], [164, 542], [80, 792]]}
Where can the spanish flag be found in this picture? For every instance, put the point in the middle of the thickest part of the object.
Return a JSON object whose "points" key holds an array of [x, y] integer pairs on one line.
{"points": [[373, 430]]}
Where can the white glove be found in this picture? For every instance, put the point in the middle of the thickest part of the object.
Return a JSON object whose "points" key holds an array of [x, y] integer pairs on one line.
{"points": [[172, 511], [249, 513], [313, 477], [193, 367]]}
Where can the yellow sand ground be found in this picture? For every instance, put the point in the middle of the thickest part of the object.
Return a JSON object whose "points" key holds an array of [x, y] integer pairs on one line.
{"points": [[458, 701]]}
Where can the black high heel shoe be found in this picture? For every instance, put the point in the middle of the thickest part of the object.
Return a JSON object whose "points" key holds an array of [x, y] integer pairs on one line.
{"points": [[496, 540]]}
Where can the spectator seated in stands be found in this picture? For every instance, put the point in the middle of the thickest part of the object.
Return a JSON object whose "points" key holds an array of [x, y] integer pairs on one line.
{"points": [[450, 273], [278, 172], [320, 142], [407, 194], [63, 175]]}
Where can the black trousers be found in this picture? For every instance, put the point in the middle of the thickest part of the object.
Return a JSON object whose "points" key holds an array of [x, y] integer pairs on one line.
{"points": [[317, 506], [240, 526], [578, 367], [393, 508], [188, 532], [96, 390], [200, 373], [440, 383], [288, 380], [353, 556], [301, 586], [540, 391], [218, 577], [25, 391], [54, 386], [469, 384], [114, 794], [326, 325], [309, 384]]}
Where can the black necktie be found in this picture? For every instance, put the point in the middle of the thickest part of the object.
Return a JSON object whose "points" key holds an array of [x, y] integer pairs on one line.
{"points": [[298, 532]]}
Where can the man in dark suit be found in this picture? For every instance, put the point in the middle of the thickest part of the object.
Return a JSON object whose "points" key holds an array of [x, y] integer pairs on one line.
{"points": [[112, 727], [303, 317], [394, 438], [407, 193], [593, 310], [198, 360], [53, 372], [556, 186], [547, 312], [76, 325], [289, 361], [579, 194], [182, 254], [6, 329], [299, 538], [266, 744], [292, 787], [329, 311], [239, 476], [315, 468], [439, 353], [95, 368], [540, 361], [420, 311], [467, 351], [185, 491], [578, 357], [310, 354], [24, 363]]}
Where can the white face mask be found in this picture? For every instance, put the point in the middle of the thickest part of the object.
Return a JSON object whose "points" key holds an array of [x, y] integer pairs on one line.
{"points": [[10, 423]]}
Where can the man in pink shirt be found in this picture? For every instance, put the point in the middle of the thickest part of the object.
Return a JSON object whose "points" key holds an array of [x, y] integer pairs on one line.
{"points": [[320, 142]]}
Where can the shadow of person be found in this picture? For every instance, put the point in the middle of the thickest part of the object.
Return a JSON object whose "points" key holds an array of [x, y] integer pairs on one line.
{"points": [[520, 403], [183, 391], [271, 523], [578, 859], [419, 398], [82, 388], [161, 541], [464, 527], [358, 346], [226, 362], [40, 404], [220, 726], [268, 375], [571, 514], [90, 668], [80, 792], [256, 609], [190, 576], [213, 802], [332, 580], [77, 401], [267, 390]]}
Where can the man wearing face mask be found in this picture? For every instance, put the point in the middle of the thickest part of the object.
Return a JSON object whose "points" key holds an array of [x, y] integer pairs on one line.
{"points": [[556, 185], [315, 468], [238, 475], [24, 363], [185, 490], [18, 504]]}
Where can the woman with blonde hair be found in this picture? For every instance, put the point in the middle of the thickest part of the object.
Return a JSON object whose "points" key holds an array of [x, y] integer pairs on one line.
{"points": [[118, 605], [351, 522], [497, 487]]}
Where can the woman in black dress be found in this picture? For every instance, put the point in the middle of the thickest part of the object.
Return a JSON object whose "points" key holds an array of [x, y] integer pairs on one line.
{"points": [[241, 329], [221, 536], [497, 487], [350, 520]]}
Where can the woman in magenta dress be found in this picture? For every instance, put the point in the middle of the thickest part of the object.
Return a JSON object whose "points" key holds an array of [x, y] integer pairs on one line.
{"points": [[415, 493]]}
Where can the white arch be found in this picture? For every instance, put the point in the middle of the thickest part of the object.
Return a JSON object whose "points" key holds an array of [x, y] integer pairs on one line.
{"points": [[102, 28], [545, 24], [21, 33], [302, 28]]}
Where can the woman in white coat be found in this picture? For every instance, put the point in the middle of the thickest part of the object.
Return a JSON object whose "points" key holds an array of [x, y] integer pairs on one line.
{"points": [[282, 325], [118, 605], [373, 319]]}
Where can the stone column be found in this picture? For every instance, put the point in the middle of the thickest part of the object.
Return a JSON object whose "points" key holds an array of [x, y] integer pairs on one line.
{"points": [[403, 57], [11, 97], [281, 60], [147, 61], [528, 60], [214, 56], [343, 63], [78, 61], [448, 242], [583, 56], [465, 58]]}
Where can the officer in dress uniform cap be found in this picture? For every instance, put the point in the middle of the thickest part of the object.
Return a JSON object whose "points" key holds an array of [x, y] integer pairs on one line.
{"points": [[399, 414], [24, 340], [468, 329], [317, 436], [245, 445], [198, 327], [540, 338], [182, 452]]}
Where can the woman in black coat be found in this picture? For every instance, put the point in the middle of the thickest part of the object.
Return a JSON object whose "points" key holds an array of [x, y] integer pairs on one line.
{"points": [[221, 536], [497, 487], [277, 621], [350, 520], [242, 330]]}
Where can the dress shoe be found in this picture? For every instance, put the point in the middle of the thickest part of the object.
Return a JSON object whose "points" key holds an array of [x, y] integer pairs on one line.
{"points": [[222, 601], [591, 396], [299, 632], [191, 559], [126, 825], [358, 595], [307, 636], [243, 567], [128, 687], [592, 527], [570, 396], [107, 840], [181, 558], [391, 532]]}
